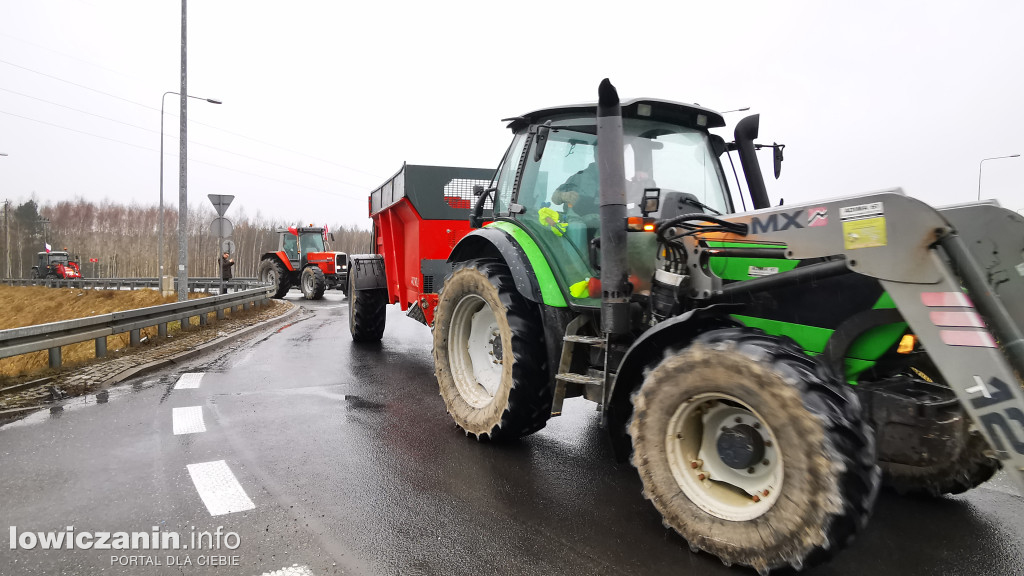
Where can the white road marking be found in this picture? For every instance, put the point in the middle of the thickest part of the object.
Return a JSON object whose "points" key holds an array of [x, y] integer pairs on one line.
{"points": [[189, 380], [293, 570], [188, 420], [219, 488]]}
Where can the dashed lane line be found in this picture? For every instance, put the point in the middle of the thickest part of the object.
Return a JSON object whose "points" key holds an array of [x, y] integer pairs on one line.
{"points": [[218, 488], [189, 380], [188, 420]]}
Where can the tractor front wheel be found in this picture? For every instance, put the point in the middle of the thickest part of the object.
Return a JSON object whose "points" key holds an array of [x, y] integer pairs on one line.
{"points": [[489, 354], [273, 272], [313, 283], [752, 452]]}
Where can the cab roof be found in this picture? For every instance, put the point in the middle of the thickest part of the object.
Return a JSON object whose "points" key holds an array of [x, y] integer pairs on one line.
{"points": [[646, 108]]}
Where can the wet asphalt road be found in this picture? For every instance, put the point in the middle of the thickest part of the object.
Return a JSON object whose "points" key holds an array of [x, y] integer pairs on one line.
{"points": [[352, 466]]}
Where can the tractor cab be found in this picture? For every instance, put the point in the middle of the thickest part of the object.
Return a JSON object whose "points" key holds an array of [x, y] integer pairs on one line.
{"points": [[670, 161]]}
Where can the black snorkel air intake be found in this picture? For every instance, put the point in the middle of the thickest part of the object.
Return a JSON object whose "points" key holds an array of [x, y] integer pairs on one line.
{"points": [[615, 287], [745, 133]]}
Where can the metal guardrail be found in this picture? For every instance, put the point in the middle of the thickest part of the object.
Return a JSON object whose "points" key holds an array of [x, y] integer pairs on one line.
{"points": [[51, 336], [206, 285]]}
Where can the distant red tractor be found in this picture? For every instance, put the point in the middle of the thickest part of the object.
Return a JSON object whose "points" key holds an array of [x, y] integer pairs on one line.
{"points": [[56, 265], [302, 260]]}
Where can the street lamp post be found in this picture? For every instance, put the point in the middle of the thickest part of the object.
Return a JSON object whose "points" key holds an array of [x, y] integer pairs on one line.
{"points": [[160, 250], [7, 230], [982, 162]]}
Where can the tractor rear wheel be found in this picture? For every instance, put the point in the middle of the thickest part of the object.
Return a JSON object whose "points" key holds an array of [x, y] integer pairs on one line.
{"points": [[752, 452], [489, 354], [272, 272], [366, 312], [313, 283]]}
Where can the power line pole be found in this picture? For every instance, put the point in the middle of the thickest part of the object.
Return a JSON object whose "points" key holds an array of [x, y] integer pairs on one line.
{"points": [[7, 227], [182, 171]]}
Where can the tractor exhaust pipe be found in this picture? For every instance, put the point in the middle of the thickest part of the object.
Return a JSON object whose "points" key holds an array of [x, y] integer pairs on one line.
{"points": [[745, 133], [614, 282]]}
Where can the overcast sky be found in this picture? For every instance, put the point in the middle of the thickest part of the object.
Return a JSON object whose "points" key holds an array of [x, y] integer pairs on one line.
{"points": [[323, 100]]}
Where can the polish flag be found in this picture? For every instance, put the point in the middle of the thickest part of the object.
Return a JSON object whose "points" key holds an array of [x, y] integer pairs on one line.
{"points": [[47, 248]]}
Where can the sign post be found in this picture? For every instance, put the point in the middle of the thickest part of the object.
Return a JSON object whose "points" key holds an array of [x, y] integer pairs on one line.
{"points": [[221, 227], [95, 263]]}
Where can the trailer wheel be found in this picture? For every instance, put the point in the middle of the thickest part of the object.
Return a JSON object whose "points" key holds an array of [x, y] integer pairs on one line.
{"points": [[272, 272], [313, 283], [752, 452], [974, 466], [489, 354], [366, 312]]}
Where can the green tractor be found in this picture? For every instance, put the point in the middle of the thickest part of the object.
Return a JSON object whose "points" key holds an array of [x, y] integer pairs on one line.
{"points": [[765, 371]]}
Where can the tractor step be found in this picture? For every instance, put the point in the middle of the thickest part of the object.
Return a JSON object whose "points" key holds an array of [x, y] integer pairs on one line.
{"points": [[596, 380], [597, 341]]}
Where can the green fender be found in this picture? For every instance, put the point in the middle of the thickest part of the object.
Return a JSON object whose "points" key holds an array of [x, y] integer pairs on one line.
{"points": [[510, 243]]}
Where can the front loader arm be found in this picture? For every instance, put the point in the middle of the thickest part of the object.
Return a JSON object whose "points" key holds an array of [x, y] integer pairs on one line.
{"points": [[937, 284]]}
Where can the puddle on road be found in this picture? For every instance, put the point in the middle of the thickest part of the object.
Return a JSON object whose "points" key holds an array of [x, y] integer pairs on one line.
{"points": [[54, 412]]}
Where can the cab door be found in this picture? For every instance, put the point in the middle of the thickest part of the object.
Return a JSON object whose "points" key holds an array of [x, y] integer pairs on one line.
{"points": [[560, 199]]}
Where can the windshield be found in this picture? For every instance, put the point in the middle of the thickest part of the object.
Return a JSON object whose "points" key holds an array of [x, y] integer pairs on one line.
{"points": [[673, 158], [312, 242]]}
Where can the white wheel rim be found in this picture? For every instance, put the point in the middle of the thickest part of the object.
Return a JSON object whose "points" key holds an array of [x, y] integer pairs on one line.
{"points": [[476, 369], [715, 487]]}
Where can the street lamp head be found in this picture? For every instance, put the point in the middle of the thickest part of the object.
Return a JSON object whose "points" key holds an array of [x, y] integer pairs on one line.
{"points": [[213, 101]]}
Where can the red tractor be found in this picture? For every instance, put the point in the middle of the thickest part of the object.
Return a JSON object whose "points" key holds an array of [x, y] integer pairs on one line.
{"points": [[302, 259], [56, 265]]}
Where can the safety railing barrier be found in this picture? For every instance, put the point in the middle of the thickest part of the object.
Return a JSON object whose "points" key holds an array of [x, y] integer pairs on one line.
{"points": [[51, 336], [206, 285]]}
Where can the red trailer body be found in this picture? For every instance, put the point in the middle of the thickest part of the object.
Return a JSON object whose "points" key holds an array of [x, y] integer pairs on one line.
{"points": [[419, 215]]}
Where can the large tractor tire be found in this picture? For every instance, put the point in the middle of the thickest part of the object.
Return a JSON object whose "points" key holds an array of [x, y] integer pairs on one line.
{"points": [[974, 466], [489, 354], [273, 272], [752, 452], [313, 283], [366, 312]]}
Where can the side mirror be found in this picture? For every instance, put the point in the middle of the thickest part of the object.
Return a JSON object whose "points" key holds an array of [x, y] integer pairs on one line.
{"points": [[777, 157], [476, 217], [541, 140], [651, 201], [330, 236]]}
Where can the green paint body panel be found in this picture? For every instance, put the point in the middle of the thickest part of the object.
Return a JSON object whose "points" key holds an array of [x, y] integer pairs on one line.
{"points": [[863, 352], [549, 290]]}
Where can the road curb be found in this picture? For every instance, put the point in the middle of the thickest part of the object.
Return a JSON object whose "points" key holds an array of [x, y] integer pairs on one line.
{"points": [[26, 385], [202, 348]]}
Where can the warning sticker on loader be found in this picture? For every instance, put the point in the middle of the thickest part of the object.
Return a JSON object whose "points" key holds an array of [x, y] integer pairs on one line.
{"points": [[1020, 268], [864, 233]]}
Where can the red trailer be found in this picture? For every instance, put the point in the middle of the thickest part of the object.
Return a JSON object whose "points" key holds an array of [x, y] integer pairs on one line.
{"points": [[419, 215]]}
